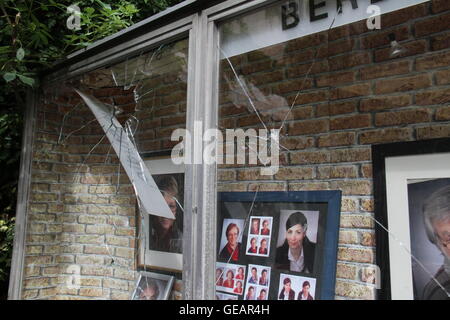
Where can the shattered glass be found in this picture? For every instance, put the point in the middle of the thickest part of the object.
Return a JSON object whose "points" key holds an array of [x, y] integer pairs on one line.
{"points": [[102, 126], [300, 87]]}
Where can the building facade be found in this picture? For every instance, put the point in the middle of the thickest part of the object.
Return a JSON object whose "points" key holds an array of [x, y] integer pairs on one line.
{"points": [[325, 73]]}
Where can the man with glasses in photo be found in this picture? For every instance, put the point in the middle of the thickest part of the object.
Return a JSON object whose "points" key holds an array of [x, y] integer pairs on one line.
{"points": [[436, 214]]}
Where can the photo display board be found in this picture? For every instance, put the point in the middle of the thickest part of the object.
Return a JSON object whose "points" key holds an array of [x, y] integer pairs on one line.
{"points": [[282, 246]]}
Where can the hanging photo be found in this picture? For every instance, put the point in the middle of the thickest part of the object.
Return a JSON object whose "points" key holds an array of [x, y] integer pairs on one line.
{"points": [[152, 286], [258, 282], [293, 287], [160, 239], [258, 240], [230, 278], [297, 238], [285, 233], [412, 202], [230, 247], [429, 215]]}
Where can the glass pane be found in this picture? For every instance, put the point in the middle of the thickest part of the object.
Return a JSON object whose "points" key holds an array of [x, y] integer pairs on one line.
{"points": [[329, 90], [101, 164]]}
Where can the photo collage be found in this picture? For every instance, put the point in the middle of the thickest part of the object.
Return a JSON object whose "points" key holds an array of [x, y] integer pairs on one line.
{"points": [[258, 283], [259, 235], [292, 236], [296, 288], [230, 278]]}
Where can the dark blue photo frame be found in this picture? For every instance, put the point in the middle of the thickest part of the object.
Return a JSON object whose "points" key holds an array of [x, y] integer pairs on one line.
{"points": [[331, 199]]}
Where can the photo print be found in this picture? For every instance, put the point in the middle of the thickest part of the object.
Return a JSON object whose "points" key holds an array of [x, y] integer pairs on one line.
{"points": [[429, 216], [224, 296], [293, 287], [160, 239], [152, 286], [230, 248], [297, 238], [258, 240], [230, 278], [313, 215], [258, 282]]}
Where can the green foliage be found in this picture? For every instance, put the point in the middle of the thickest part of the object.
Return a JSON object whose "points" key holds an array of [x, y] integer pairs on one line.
{"points": [[100, 20], [10, 135], [34, 33], [6, 244]]}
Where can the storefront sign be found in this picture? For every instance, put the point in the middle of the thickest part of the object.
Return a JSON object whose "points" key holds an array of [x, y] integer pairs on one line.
{"points": [[298, 18]]}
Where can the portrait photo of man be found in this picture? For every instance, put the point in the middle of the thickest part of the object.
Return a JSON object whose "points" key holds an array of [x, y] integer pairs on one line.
{"points": [[429, 206]]}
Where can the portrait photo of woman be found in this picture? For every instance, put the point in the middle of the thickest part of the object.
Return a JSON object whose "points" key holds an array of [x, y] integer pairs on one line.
{"points": [[287, 293], [254, 226], [250, 293], [219, 277], [240, 275], [238, 288], [230, 246], [166, 234], [304, 294], [262, 295], [297, 251], [253, 248], [229, 281], [263, 247], [263, 280], [265, 231]]}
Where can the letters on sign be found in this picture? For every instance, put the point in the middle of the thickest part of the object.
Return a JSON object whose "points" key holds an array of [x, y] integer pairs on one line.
{"points": [[290, 12]]}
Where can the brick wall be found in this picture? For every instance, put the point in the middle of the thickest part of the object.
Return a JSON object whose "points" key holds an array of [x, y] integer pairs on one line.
{"points": [[354, 96], [82, 211]]}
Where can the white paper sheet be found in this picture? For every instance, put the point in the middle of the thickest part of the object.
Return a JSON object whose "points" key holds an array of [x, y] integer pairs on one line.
{"points": [[149, 196]]}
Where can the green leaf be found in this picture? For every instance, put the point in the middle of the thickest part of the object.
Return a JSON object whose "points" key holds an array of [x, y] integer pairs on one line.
{"points": [[5, 49], [20, 54], [27, 80], [9, 76], [89, 10]]}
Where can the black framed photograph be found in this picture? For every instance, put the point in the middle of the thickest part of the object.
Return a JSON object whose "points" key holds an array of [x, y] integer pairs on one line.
{"points": [[160, 240], [277, 235], [152, 286], [412, 209]]}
